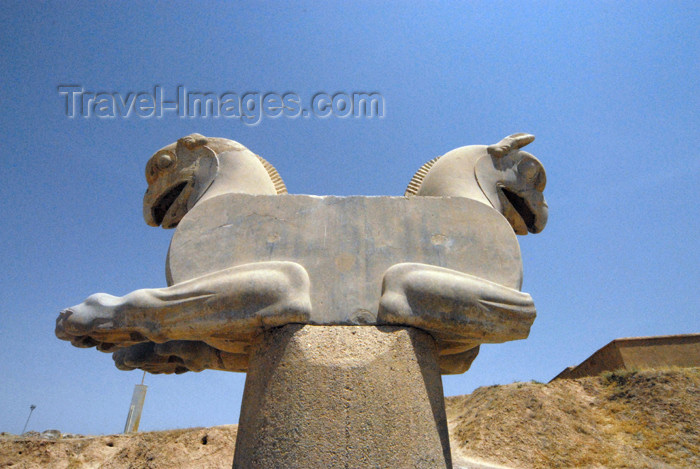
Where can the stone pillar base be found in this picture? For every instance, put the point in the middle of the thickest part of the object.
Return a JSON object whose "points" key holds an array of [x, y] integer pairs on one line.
{"points": [[343, 397]]}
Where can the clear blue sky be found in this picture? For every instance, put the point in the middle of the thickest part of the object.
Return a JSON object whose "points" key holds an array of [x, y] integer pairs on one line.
{"points": [[610, 89]]}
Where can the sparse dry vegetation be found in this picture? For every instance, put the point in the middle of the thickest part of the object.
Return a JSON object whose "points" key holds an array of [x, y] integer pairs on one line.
{"points": [[620, 419], [634, 419]]}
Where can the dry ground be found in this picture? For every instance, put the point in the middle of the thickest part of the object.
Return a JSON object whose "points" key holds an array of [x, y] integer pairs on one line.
{"points": [[620, 419], [623, 419], [188, 448]]}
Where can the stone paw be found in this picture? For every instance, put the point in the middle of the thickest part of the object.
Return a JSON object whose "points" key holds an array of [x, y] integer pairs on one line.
{"points": [[95, 323]]}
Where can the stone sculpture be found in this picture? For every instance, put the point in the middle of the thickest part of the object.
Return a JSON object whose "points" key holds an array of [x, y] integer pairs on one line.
{"points": [[143, 328], [256, 277], [446, 301], [267, 293], [500, 175]]}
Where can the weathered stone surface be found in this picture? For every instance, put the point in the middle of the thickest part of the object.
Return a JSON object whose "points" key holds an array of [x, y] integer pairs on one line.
{"points": [[178, 356], [239, 263], [346, 244], [343, 396], [224, 308]]}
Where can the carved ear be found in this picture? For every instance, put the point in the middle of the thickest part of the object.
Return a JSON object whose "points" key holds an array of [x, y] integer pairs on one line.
{"points": [[510, 143], [206, 168]]}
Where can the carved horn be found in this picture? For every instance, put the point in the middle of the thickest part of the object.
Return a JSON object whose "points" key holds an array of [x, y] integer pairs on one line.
{"points": [[510, 143], [193, 141]]}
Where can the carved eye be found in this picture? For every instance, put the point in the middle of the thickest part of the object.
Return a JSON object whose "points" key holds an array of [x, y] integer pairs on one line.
{"points": [[529, 169], [164, 160]]}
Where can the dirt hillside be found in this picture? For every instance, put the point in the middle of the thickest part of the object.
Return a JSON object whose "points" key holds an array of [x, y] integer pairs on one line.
{"points": [[187, 448], [624, 419], [621, 419]]}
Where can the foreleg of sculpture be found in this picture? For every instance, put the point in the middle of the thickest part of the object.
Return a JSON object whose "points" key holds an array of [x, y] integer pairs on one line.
{"points": [[454, 306], [225, 307], [178, 356]]}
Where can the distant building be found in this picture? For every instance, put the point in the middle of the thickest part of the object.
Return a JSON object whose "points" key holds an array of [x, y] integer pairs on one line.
{"points": [[638, 353]]}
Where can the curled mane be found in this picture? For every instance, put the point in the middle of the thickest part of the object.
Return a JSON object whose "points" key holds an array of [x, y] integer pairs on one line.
{"points": [[417, 179], [274, 176]]}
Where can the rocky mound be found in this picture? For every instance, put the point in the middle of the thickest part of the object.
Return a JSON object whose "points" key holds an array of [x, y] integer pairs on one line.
{"points": [[621, 419]]}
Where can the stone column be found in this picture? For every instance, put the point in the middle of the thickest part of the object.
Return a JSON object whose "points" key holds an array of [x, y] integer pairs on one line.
{"points": [[343, 396]]}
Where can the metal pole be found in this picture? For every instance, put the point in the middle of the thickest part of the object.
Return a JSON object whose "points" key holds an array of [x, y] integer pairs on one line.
{"points": [[31, 409]]}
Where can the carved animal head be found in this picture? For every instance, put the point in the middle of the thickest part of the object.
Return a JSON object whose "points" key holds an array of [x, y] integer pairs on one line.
{"points": [[501, 175], [179, 174], [514, 181]]}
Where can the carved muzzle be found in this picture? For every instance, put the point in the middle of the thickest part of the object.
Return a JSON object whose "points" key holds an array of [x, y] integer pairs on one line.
{"points": [[521, 195], [177, 176], [514, 181]]}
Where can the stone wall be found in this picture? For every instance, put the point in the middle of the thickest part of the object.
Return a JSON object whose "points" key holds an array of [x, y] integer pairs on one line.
{"points": [[638, 353]]}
